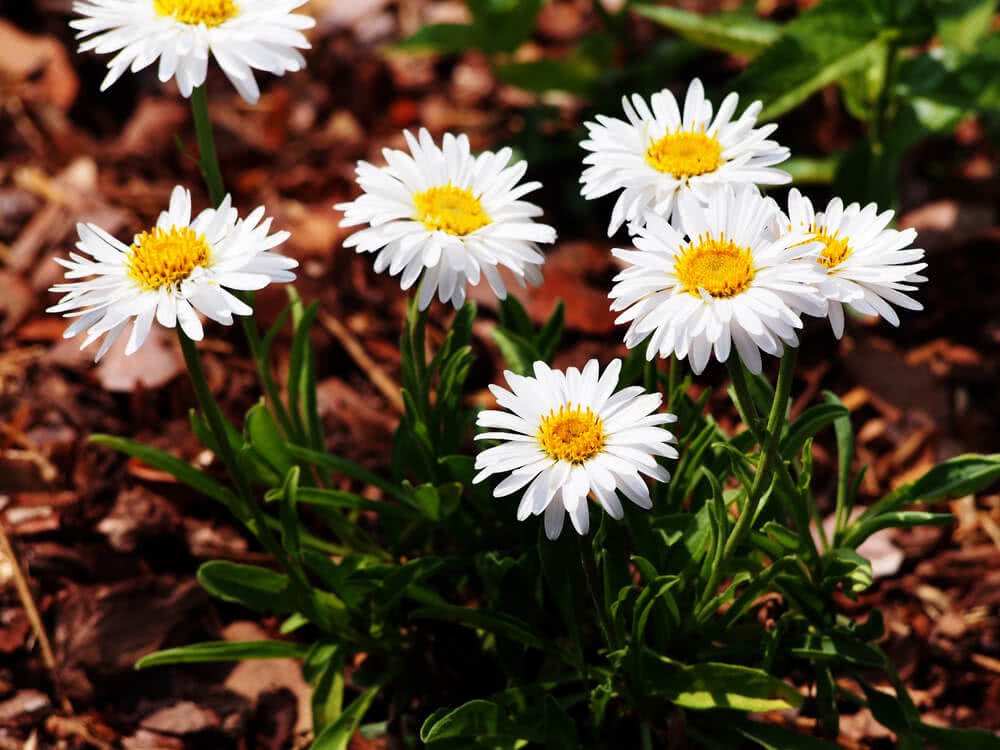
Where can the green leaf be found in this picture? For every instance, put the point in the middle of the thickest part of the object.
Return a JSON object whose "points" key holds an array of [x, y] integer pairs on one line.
{"points": [[215, 651], [175, 467], [518, 352], [504, 24], [962, 23], [352, 501], [716, 685], [550, 336], [343, 466], [807, 425], [837, 648], [946, 738], [289, 515], [493, 622], [847, 567], [338, 735], [323, 668], [821, 45], [442, 38], [258, 588], [774, 737], [963, 475], [739, 32], [857, 533]]}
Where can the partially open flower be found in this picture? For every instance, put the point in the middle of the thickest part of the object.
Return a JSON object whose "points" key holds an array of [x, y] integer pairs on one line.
{"points": [[726, 280], [242, 36], [178, 267], [448, 218], [868, 266], [569, 435], [661, 152]]}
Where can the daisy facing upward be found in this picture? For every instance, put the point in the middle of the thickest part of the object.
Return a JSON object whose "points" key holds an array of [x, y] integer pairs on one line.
{"points": [[661, 152], [242, 36], [724, 281], [568, 435], [448, 218], [868, 266], [168, 273]]}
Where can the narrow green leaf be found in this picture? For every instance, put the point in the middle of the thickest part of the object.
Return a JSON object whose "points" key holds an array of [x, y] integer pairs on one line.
{"points": [[738, 32], [258, 588], [215, 651], [807, 425], [518, 352], [338, 735]]}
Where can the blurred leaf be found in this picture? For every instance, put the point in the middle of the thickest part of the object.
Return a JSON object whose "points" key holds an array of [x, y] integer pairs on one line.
{"points": [[821, 45], [443, 38], [774, 737], [961, 23], [739, 32], [716, 685], [860, 531], [215, 651], [518, 352], [338, 735], [847, 567]]}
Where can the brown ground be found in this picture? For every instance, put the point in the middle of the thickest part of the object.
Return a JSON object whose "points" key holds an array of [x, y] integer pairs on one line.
{"points": [[111, 545]]}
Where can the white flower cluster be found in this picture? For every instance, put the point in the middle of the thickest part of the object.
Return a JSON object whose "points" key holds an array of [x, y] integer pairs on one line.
{"points": [[714, 267]]}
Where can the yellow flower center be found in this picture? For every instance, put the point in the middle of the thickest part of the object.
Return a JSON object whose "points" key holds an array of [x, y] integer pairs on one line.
{"points": [[685, 154], [571, 434], [164, 258], [719, 266], [835, 249], [194, 12], [450, 209]]}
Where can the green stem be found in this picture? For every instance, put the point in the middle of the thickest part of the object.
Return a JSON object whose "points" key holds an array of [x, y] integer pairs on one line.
{"points": [[747, 407], [765, 467], [589, 562], [646, 735], [212, 173], [210, 168], [256, 522], [673, 379]]}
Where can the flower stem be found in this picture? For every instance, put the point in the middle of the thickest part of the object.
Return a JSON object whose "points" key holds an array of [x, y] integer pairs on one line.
{"points": [[209, 157], [212, 173], [769, 450], [745, 404], [769, 439], [255, 520], [588, 561]]}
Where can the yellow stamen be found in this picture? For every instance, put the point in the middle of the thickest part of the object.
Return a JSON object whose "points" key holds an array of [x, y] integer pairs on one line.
{"points": [[685, 154], [164, 258], [450, 209], [571, 434], [719, 266], [194, 12], [835, 249]]}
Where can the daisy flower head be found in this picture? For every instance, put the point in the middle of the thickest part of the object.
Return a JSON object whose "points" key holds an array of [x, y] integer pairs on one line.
{"points": [[869, 267], [242, 36], [718, 278], [170, 273], [661, 152], [448, 218], [568, 436]]}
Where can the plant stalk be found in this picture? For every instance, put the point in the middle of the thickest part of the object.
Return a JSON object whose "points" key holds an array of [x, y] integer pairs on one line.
{"points": [[588, 561], [211, 171]]}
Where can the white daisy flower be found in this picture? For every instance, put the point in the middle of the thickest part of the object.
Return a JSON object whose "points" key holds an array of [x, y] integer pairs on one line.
{"points": [[725, 279], [242, 36], [660, 153], [867, 265], [169, 272], [569, 435], [448, 216]]}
